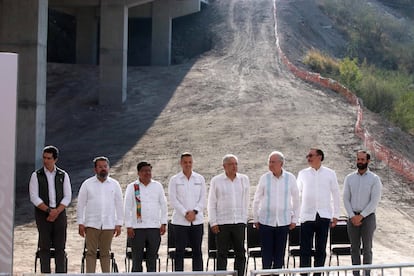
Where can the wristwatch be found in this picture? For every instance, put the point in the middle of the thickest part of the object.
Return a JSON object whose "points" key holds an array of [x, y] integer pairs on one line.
{"points": [[48, 210], [195, 211]]}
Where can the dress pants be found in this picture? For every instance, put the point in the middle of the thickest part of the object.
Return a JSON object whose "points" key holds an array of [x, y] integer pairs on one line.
{"points": [[364, 233], [51, 234], [320, 229], [102, 239], [188, 235], [273, 240], [150, 239], [231, 234]]}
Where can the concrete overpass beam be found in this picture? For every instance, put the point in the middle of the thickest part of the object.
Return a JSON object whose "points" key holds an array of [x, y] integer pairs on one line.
{"points": [[113, 53], [23, 30], [86, 35], [161, 33], [184, 7]]}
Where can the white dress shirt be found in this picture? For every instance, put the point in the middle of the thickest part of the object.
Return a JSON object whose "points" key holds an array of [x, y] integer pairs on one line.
{"points": [[100, 204], [153, 206], [319, 190], [34, 189], [228, 201], [276, 201], [187, 195]]}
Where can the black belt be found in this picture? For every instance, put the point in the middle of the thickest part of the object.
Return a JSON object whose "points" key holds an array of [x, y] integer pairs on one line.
{"points": [[358, 213]]}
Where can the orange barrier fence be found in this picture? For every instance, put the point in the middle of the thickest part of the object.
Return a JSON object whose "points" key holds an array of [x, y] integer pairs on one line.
{"points": [[394, 160]]}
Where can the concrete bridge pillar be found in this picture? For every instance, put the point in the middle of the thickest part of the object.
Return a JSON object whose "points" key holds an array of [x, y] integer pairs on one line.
{"points": [[113, 53], [23, 30], [86, 36], [161, 33]]}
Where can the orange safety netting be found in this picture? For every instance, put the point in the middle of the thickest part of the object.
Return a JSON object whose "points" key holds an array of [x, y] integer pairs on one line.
{"points": [[394, 160]]}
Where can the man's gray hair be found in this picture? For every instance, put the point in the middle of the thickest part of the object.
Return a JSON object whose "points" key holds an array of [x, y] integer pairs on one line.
{"points": [[228, 156], [278, 154]]}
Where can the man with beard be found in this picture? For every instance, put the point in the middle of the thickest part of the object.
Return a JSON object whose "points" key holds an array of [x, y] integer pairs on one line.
{"points": [[362, 192], [99, 214]]}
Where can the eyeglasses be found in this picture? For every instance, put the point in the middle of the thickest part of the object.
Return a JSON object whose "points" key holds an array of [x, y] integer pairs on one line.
{"points": [[311, 155]]}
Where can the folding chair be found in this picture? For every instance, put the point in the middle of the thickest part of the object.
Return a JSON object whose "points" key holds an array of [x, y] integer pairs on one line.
{"points": [[114, 266], [52, 256], [171, 247], [212, 249], [339, 243], [293, 245], [128, 257], [254, 249]]}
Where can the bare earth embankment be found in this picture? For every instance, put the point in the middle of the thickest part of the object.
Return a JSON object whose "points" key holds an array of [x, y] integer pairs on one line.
{"points": [[237, 98]]}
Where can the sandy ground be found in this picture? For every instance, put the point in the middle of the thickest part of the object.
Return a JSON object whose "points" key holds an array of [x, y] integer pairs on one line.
{"points": [[237, 98]]}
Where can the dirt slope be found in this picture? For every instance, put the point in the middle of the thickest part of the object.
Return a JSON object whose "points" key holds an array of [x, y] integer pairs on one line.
{"points": [[237, 98]]}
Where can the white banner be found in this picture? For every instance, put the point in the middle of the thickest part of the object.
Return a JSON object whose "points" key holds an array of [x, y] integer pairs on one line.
{"points": [[8, 107]]}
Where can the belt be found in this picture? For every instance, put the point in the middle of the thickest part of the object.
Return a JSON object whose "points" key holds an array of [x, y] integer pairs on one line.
{"points": [[358, 213]]}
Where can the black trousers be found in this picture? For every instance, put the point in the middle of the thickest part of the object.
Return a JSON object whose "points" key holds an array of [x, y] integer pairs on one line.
{"points": [[319, 230], [150, 239], [231, 235], [188, 235], [51, 234]]}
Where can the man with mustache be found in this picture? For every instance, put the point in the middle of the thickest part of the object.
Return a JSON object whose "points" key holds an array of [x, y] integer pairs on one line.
{"points": [[99, 214], [362, 193]]}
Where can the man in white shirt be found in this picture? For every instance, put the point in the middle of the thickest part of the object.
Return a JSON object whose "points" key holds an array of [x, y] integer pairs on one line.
{"points": [[228, 204], [319, 189], [187, 195], [51, 192], [146, 217], [275, 210], [99, 214]]}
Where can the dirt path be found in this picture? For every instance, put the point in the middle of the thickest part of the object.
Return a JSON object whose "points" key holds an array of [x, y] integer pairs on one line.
{"points": [[238, 98]]}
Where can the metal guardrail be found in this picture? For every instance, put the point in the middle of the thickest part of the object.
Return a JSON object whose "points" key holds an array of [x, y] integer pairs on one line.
{"points": [[380, 268], [182, 273]]}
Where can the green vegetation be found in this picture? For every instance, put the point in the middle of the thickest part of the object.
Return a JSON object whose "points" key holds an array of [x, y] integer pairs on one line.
{"points": [[385, 78]]}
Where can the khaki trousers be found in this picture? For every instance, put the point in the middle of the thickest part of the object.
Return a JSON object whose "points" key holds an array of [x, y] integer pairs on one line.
{"points": [[95, 239]]}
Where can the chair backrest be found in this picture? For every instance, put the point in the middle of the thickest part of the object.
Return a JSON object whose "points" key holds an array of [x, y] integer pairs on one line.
{"points": [[253, 238], [339, 234], [211, 240], [170, 236], [294, 237]]}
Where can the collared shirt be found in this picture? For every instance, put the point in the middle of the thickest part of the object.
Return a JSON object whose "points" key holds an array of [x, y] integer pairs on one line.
{"points": [[228, 201], [276, 201], [100, 203], [319, 190], [362, 193], [153, 205], [34, 189], [187, 195]]}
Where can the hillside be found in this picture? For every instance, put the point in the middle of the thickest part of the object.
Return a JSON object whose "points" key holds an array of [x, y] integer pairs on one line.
{"points": [[236, 98]]}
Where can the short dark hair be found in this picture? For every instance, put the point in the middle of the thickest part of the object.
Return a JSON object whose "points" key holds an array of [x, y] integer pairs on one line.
{"points": [[186, 154], [143, 164], [53, 150], [100, 158], [364, 151], [319, 152]]}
